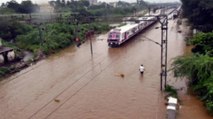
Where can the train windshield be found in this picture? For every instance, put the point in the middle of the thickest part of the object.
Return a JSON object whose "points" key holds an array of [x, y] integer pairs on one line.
{"points": [[114, 35]]}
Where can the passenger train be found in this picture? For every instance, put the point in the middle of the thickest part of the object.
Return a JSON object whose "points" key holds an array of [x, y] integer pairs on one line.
{"points": [[119, 35]]}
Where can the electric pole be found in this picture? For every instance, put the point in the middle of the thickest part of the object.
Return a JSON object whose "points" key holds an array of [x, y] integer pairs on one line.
{"points": [[163, 19]]}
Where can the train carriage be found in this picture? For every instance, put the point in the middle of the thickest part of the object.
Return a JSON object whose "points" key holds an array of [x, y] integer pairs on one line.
{"points": [[119, 35]]}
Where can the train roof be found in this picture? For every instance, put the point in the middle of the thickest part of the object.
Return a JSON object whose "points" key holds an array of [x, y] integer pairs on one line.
{"points": [[146, 18], [124, 28]]}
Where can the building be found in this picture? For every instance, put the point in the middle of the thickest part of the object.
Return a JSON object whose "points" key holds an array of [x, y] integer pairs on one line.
{"points": [[6, 54]]}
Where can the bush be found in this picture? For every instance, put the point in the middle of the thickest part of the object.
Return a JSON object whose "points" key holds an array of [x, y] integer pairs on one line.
{"points": [[55, 36], [9, 30], [4, 71], [171, 91], [209, 106], [198, 68], [203, 43]]}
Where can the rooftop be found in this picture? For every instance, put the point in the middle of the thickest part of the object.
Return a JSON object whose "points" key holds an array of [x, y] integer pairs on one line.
{"points": [[5, 49]]}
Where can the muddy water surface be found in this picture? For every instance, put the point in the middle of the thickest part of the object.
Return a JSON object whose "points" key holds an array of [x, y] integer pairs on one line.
{"points": [[73, 84]]}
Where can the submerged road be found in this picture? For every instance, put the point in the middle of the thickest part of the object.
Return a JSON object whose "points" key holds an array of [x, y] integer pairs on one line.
{"points": [[74, 85]]}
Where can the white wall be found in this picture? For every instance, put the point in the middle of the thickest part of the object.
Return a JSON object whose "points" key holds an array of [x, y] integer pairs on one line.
{"points": [[11, 56]]}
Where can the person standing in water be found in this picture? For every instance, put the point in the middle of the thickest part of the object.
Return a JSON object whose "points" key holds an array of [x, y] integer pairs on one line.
{"points": [[141, 68]]}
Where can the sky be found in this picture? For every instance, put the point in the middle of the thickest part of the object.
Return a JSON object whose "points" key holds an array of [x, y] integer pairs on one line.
{"points": [[46, 1]]}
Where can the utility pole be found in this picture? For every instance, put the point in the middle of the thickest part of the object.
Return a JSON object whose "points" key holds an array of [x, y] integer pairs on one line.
{"points": [[40, 35], [91, 49], [163, 19], [89, 35]]}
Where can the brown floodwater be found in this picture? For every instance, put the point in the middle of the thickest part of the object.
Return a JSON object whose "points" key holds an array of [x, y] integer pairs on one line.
{"points": [[73, 84]]}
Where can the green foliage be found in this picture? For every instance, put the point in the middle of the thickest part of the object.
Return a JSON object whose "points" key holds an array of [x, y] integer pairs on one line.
{"points": [[99, 27], [199, 69], [97, 7], [55, 36], [25, 7], [193, 66], [28, 7], [209, 105], [4, 71], [171, 91], [203, 43], [11, 45], [55, 40], [6, 11], [9, 30], [61, 5], [29, 41], [199, 13], [102, 11], [84, 9]]}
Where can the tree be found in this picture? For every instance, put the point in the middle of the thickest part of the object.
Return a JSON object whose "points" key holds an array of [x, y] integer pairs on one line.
{"points": [[13, 5], [123, 4], [28, 7], [203, 43], [84, 3], [25, 6], [9, 30], [3, 5], [199, 13], [63, 3], [198, 69]]}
